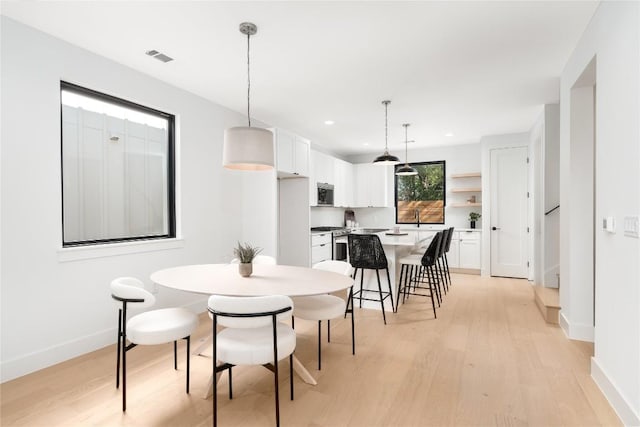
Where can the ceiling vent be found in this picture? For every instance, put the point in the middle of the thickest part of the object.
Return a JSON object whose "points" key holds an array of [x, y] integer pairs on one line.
{"points": [[159, 56]]}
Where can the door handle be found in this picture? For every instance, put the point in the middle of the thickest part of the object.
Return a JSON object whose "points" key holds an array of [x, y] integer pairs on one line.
{"points": [[495, 228]]}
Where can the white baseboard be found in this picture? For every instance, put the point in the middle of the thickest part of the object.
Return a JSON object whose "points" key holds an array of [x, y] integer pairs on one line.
{"points": [[37, 360], [576, 331], [624, 410]]}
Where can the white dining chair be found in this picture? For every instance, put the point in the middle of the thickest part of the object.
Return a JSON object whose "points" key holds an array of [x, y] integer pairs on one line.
{"points": [[254, 335], [148, 328], [259, 259], [326, 307]]}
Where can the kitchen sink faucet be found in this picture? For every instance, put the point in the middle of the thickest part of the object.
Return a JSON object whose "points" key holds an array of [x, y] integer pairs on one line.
{"points": [[417, 216]]}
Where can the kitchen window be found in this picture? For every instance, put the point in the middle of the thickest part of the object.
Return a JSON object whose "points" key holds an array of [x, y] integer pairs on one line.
{"points": [[117, 169], [421, 196]]}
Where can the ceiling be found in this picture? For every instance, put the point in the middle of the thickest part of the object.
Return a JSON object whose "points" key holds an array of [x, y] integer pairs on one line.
{"points": [[467, 68]]}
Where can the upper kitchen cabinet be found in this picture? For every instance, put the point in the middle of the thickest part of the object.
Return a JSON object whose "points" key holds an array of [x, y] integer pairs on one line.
{"points": [[343, 182], [292, 154], [323, 168], [372, 185]]}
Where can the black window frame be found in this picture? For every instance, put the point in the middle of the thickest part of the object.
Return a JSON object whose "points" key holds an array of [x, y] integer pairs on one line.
{"points": [[171, 190], [444, 190]]}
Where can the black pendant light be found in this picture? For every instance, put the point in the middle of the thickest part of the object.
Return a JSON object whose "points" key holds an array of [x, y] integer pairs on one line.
{"points": [[386, 158], [406, 170]]}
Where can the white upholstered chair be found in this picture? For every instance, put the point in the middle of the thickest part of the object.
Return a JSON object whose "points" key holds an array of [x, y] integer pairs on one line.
{"points": [[254, 335], [259, 259], [326, 307], [148, 328]]}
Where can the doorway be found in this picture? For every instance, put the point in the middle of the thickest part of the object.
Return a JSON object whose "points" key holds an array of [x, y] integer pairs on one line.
{"points": [[509, 212]]}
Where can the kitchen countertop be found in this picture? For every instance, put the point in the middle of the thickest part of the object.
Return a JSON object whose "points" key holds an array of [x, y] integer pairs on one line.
{"points": [[412, 238]]}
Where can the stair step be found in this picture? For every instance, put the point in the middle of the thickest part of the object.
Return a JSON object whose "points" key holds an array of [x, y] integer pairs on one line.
{"points": [[548, 302]]}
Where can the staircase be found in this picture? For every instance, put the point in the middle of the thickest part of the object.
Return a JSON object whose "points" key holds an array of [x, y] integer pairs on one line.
{"points": [[548, 302]]}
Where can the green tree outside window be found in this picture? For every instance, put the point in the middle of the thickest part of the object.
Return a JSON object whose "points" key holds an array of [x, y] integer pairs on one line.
{"points": [[424, 192]]}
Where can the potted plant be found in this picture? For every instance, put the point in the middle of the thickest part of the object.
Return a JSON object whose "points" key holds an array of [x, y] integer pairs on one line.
{"points": [[245, 254], [473, 217]]}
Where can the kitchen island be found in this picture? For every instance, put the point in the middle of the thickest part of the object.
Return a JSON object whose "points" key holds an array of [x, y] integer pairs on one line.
{"points": [[395, 247]]}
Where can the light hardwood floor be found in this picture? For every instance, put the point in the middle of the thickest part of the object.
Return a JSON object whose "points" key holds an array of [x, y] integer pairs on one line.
{"points": [[489, 359]]}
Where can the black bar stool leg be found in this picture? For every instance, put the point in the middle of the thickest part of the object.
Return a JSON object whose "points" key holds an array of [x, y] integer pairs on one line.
{"points": [[390, 288], [319, 345], [384, 317]]}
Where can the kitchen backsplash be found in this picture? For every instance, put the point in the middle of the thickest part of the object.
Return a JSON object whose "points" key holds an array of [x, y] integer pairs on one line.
{"points": [[382, 217]]}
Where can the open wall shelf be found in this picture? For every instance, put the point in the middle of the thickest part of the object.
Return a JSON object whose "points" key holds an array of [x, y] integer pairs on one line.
{"points": [[464, 205]]}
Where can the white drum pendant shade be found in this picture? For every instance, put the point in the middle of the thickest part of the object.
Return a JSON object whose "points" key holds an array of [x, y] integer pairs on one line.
{"points": [[248, 148]]}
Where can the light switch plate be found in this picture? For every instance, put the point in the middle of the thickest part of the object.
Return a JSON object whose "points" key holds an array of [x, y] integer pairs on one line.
{"points": [[609, 224], [632, 226]]}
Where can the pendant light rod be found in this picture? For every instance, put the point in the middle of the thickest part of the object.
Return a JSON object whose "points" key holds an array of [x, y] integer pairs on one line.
{"points": [[406, 143], [245, 147], [386, 158], [386, 132], [406, 170], [249, 29]]}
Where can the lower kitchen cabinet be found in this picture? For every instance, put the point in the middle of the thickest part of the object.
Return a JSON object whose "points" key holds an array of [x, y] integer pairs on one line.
{"points": [[320, 247], [466, 250]]}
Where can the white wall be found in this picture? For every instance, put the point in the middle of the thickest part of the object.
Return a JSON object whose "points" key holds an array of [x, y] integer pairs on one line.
{"points": [[52, 309], [551, 190], [613, 38], [459, 159]]}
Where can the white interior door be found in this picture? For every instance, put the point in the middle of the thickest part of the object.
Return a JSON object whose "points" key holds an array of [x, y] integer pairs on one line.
{"points": [[509, 237]]}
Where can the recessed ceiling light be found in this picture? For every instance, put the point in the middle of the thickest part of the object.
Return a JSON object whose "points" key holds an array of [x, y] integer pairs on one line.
{"points": [[365, 143], [329, 122], [448, 134]]}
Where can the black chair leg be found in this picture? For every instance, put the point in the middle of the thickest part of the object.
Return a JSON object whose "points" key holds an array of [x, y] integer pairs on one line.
{"points": [[328, 330], [433, 303], [399, 288], [215, 382], [188, 360], [361, 281], [319, 345], [390, 288], [275, 366], [446, 263], [291, 374], [384, 317], [175, 355], [118, 356], [230, 385]]}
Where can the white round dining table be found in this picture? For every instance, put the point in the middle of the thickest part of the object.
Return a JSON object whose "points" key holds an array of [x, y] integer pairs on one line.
{"points": [[224, 279]]}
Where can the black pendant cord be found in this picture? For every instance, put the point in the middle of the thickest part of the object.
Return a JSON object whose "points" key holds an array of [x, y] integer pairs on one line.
{"points": [[248, 81], [406, 144], [386, 148]]}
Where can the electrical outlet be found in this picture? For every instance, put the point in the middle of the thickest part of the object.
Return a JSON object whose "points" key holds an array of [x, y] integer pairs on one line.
{"points": [[632, 226]]}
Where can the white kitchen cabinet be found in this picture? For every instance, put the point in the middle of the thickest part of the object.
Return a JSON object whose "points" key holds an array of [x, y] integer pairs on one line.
{"points": [[453, 256], [323, 167], [321, 170], [343, 182], [465, 251], [320, 247], [292, 154], [470, 249], [371, 189]]}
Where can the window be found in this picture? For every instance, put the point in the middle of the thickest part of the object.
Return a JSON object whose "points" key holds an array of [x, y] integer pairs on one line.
{"points": [[423, 193], [117, 169]]}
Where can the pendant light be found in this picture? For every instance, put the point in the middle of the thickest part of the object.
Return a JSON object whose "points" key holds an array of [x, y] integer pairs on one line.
{"points": [[386, 158], [406, 170], [246, 147]]}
